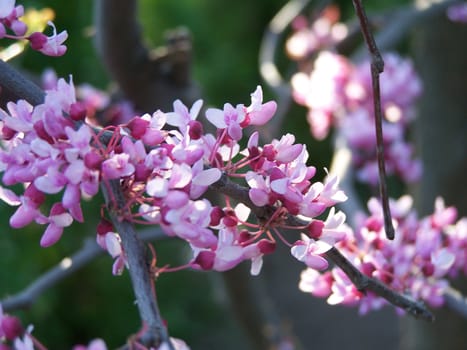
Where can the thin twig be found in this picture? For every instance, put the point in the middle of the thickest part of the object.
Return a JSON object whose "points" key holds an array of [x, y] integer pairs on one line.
{"points": [[377, 67]]}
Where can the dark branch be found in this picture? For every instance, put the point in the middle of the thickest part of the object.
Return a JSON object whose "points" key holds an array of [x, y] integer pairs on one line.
{"points": [[17, 85], [150, 80], [139, 269], [377, 67]]}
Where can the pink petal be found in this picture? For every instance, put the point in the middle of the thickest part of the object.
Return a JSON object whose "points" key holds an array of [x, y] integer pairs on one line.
{"points": [[23, 216], [262, 116], [157, 187], [258, 197], [51, 235], [207, 177], [280, 186], [316, 262], [216, 117]]}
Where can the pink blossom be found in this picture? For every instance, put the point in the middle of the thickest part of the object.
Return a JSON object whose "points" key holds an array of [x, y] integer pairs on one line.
{"points": [[229, 118], [50, 46], [58, 219], [117, 166], [181, 117], [309, 251], [259, 113]]}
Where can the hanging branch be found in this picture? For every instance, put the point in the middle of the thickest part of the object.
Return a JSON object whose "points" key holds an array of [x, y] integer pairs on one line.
{"points": [[377, 67]]}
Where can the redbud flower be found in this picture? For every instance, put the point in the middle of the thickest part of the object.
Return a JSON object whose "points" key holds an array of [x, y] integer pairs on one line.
{"points": [[50, 46]]}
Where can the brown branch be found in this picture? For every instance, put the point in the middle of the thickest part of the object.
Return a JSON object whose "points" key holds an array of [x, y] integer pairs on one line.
{"points": [[139, 269], [377, 67], [150, 80]]}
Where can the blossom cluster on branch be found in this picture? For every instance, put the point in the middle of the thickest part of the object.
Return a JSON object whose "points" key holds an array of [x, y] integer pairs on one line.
{"points": [[425, 253], [163, 174]]}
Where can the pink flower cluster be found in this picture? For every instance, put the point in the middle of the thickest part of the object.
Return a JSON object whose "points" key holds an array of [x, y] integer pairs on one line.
{"points": [[9, 20], [418, 262], [308, 38], [163, 174], [46, 152], [339, 93]]}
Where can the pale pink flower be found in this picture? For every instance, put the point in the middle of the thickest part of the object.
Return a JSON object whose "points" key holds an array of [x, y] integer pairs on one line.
{"points": [[117, 166], [230, 118], [259, 113], [58, 219], [309, 251]]}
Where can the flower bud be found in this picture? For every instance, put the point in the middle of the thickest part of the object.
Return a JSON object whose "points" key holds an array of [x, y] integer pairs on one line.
{"points": [[77, 111], [315, 229], [205, 259], [12, 327]]}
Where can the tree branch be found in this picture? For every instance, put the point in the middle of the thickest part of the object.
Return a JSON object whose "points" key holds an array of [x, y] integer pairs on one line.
{"points": [[150, 80], [17, 85], [377, 67], [139, 269]]}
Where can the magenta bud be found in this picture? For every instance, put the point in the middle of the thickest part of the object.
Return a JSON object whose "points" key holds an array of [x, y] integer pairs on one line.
{"points": [[93, 160], [36, 196], [244, 236], [269, 152], [205, 259], [428, 269], [196, 129], [138, 127], [77, 111], [266, 247], [230, 221], [12, 327], [216, 215], [38, 40], [315, 229], [368, 268], [7, 133], [41, 132], [374, 224], [104, 226]]}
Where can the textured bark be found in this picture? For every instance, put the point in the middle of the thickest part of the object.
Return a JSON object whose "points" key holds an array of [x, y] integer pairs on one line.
{"points": [[441, 130], [149, 79]]}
